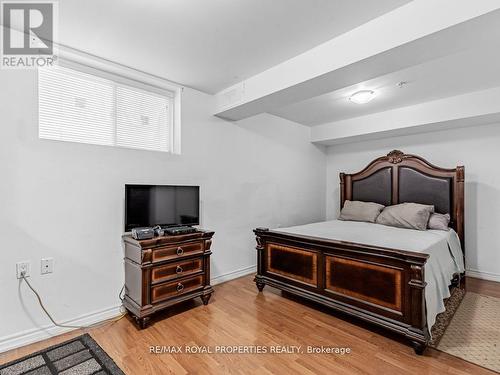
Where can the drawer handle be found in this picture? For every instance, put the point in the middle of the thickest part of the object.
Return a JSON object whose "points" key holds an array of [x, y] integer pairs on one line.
{"points": [[180, 287], [180, 251], [178, 269]]}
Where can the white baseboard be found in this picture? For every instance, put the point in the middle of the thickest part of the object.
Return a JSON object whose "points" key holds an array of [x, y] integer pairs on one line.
{"points": [[38, 334], [233, 275], [483, 275]]}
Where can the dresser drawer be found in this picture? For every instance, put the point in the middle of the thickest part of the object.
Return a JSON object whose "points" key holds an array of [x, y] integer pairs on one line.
{"points": [[175, 288], [173, 252], [176, 270]]}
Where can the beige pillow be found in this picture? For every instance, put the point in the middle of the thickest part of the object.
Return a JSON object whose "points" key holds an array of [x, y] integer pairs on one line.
{"points": [[439, 221], [360, 211], [406, 215]]}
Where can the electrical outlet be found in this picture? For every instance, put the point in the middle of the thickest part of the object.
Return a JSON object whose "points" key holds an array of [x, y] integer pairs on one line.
{"points": [[23, 267], [47, 266]]}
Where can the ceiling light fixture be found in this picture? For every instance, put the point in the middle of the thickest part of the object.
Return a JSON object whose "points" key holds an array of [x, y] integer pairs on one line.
{"points": [[362, 97]]}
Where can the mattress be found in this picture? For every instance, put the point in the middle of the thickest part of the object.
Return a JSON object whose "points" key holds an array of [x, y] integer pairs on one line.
{"points": [[443, 248]]}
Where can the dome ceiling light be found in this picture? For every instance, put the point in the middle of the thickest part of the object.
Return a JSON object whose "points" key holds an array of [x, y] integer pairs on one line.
{"points": [[362, 97]]}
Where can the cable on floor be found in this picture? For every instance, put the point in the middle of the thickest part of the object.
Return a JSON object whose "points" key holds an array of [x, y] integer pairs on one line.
{"points": [[68, 325]]}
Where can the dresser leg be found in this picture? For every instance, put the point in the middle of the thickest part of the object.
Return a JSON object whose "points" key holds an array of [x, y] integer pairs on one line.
{"points": [[142, 322], [205, 298]]}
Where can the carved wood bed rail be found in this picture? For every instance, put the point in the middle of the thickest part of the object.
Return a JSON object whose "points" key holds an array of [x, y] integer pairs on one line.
{"points": [[380, 285]]}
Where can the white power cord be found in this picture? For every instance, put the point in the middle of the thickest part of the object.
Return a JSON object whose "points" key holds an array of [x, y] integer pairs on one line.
{"points": [[23, 276]]}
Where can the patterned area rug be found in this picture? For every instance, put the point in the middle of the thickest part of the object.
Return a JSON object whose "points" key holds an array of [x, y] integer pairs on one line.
{"points": [[80, 356], [444, 319], [473, 333]]}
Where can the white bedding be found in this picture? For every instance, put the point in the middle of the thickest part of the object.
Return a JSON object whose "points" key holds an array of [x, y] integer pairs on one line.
{"points": [[443, 247]]}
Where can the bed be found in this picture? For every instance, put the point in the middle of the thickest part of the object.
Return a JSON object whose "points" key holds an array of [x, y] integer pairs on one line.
{"points": [[392, 277]]}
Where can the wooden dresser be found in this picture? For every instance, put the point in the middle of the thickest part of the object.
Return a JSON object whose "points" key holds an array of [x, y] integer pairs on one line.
{"points": [[164, 271]]}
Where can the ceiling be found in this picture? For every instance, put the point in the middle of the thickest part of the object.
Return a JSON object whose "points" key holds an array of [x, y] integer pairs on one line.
{"points": [[471, 70], [210, 45]]}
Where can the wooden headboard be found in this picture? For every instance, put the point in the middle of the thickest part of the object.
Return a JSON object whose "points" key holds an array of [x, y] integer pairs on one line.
{"points": [[399, 178]]}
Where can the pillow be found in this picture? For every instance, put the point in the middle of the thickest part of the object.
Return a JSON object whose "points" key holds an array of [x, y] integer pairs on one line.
{"points": [[439, 221], [406, 215], [360, 211]]}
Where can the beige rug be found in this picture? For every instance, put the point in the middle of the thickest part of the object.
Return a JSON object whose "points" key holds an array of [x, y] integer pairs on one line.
{"points": [[474, 331]]}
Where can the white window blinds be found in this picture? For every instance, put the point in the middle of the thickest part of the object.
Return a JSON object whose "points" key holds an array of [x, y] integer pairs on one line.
{"points": [[80, 107]]}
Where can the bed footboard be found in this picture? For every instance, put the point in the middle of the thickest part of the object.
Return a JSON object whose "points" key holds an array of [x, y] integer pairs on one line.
{"points": [[382, 286]]}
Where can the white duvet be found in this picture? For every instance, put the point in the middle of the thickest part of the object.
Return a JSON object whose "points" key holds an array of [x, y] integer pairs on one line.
{"points": [[443, 247]]}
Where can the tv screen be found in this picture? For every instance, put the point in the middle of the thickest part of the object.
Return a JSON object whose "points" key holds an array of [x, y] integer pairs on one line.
{"points": [[165, 205]]}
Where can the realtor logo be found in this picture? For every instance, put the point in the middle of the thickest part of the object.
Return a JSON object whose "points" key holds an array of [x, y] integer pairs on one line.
{"points": [[28, 34]]}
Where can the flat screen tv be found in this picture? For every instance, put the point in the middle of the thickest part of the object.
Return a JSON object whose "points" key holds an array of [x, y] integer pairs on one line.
{"points": [[165, 205]]}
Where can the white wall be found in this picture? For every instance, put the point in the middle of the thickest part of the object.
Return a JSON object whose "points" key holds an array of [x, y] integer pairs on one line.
{"points": [[478, 148], [66, 201]]}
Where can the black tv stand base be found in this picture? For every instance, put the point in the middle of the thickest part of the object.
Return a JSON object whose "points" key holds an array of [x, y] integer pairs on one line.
{"points": [[175, 231]]}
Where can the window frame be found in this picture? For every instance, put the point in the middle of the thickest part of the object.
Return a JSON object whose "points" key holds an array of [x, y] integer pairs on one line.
{"points": [[129, 78]]}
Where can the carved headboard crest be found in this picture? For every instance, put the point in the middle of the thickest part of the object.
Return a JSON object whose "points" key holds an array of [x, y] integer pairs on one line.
{"points": [[399, 177], [395, 156]]}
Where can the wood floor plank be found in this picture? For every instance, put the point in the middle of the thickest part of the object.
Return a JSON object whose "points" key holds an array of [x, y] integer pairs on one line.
{"points": [[488, 288], [239, 315]]}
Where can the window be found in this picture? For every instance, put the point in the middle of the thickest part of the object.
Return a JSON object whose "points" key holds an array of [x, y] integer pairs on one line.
{"points": [[80, 107]]}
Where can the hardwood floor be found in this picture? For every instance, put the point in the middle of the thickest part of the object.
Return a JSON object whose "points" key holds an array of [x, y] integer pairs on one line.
{"points": [[488, 288], [239, 315]]}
